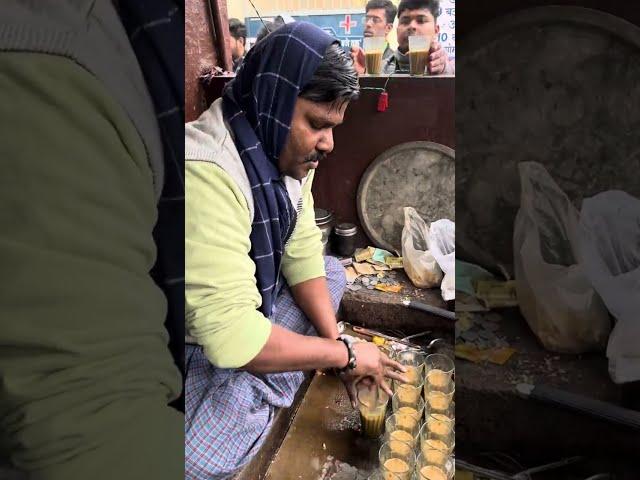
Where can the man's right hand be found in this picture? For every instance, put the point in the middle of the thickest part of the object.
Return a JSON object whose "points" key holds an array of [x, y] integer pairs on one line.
{"points": [[371, 363], [357, 55]]}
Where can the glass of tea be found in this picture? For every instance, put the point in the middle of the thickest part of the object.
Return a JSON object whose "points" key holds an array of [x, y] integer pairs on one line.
{"points": [[439, 372], [413, 361], [440, 467], [440, 401], [372, 403], [418, 54], [402, 428], [401, 404], [438, 433], [373, 50], [399, 462]]}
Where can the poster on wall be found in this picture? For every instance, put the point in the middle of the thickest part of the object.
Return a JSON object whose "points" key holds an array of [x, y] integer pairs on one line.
{"points": [[447, 22], [348, 26], [345, 25]]}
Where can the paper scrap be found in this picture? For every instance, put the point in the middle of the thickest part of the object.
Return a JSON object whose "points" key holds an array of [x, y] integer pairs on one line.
{"points": [[379, 255], [394, 262], [500, 356], [470, 352], [389, 288], [467, 303], [381, 268], [497, 294], [464, 321], [351, 274], [363, 254], [364, 268]]}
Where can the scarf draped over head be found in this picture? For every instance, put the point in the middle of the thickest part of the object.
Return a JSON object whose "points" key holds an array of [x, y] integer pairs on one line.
{"points": [[258, 106]]}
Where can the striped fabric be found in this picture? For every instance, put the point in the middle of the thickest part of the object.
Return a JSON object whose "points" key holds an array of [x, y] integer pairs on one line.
{"points": [[229, 412], [258, 105], [156, 33]]}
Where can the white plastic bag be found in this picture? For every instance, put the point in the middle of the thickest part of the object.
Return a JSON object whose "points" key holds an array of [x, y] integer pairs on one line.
{"points": [[442, 241], [419, 263], [554, 293], [610, 225]]}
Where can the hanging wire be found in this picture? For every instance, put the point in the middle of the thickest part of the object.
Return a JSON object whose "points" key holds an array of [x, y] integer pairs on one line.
{"points": [[379, 89], [258, 13]]}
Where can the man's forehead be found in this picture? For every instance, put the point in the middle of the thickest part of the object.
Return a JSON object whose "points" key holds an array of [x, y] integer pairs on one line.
{"points": [[419, 12], [329, 111], [376, 12]]}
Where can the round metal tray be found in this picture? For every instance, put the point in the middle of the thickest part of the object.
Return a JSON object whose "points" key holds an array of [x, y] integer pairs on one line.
{"points": [[557, 85], [414, 174]]}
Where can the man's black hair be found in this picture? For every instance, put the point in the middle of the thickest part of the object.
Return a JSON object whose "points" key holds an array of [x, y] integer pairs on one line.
{"points": [[334, 81], [237, 29], [432, 5], [390, 9]]}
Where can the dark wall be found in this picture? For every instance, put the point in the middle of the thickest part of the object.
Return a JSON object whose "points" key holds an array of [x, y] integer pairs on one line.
{"points": [[419, 109]]}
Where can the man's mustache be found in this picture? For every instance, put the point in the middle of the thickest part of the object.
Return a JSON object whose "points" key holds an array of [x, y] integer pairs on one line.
{"points": [[315, 157]]}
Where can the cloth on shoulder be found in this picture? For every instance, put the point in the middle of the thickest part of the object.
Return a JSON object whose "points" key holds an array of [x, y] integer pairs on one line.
{"points": [[258, 106]]}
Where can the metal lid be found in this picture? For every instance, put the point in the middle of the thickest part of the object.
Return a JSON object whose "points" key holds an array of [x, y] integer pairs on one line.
{"points": [[346, 229], [323, 216]]}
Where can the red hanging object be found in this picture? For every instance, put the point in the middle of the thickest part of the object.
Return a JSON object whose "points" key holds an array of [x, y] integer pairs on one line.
{"points": [[383, 102]]}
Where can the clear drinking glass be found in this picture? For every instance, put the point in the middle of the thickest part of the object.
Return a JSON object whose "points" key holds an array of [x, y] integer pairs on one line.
{"points": [[372, 403], [414, 363], [439, 401], [402, 427], [438, 432], [408, 394], [428, 469], [395, 461], [418, 54], [401, 404], [373, 50], [439, 372]]}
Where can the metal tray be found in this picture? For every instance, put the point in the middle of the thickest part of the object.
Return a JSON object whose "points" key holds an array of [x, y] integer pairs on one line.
{"points": [[413, 174]]}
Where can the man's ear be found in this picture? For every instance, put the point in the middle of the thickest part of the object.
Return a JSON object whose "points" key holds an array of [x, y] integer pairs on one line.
{"points": [[244, 41], [437, 28], [387, 28]]}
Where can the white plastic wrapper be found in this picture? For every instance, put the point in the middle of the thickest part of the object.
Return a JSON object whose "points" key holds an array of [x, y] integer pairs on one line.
{"points": [[610, 231], [442, 241], [419, 264], [554, 293]]}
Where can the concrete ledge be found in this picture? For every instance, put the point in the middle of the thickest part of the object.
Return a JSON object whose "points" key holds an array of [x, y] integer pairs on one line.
{"points": [[377, 310], [490, 416]]}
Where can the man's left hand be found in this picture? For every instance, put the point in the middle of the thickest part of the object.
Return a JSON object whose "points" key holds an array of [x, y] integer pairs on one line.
{"points": [[437, 59]]}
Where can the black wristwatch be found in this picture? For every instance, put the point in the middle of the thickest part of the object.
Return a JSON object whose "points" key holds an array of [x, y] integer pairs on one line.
{"points": [[349, 342]]}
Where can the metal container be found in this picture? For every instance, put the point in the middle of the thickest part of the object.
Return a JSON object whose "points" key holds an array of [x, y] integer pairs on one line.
{"points": [[324, 221], [344, 239]]}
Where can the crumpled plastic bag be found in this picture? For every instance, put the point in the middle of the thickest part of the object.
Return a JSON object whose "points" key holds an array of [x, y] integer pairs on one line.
{"points": [[442, 241], [419, 263], [610, 233], [554, 293]]}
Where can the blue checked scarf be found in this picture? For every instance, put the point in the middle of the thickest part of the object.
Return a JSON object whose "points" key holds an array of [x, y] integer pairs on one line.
{"points": [[258, 106], [156, 33]]}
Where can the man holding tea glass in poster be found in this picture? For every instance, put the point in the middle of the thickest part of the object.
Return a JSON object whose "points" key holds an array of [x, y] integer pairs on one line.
{"points": [[416, 18]]}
